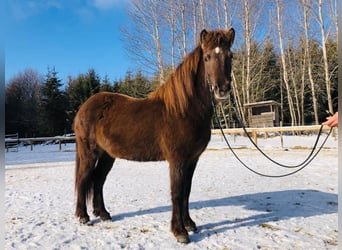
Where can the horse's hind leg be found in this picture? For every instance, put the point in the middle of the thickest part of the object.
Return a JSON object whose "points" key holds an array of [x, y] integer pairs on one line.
{"points": [[104, 165], [189, 224], [83, 185]]}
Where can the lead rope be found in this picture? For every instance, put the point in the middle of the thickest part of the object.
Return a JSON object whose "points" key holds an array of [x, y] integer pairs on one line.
{"points": [[269, 158], [300, 166]]}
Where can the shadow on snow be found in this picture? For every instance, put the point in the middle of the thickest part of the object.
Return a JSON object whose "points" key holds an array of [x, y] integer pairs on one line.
{"points": [[273, 206]]}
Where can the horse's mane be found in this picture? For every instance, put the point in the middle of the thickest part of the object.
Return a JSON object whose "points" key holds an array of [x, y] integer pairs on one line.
{"points": [[179, 86]]}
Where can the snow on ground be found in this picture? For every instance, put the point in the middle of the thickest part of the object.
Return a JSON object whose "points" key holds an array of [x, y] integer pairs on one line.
{"points": [[233, 208]]}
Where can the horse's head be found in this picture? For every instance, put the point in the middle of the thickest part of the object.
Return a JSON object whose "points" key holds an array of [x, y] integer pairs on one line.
{"points": [[218, 61]]}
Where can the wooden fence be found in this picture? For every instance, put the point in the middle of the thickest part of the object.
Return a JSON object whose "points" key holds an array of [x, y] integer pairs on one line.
{"points": [[12, 142], [255, 131], [57, 140], [231, 131]]}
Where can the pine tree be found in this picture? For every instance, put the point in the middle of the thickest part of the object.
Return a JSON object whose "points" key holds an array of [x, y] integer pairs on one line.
{"points": [[53, 105], [106, 85], [79, 90]]}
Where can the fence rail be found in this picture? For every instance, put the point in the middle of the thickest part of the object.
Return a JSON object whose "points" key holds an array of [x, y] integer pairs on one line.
{"points": [[254, 131], [58, 139], [11, 142], [233, 131]]}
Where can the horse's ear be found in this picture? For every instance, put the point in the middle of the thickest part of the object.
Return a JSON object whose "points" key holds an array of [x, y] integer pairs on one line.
{"points": [[202, 36], [231, 36]]}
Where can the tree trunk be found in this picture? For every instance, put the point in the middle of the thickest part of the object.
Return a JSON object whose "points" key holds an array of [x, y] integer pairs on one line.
{"points": [[247, 32], [325, 57], [308, 59], [284, 65]]}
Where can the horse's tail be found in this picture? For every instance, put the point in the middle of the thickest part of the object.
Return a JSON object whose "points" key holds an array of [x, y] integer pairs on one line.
{"points": [[83, 174], [77, 169]]}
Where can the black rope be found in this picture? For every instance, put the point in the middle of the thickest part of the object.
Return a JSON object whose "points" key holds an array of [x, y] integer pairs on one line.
{"points": [[269, 158], [301, 166]]}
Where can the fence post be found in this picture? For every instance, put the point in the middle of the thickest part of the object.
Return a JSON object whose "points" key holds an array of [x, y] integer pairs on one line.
{"points": [[281, 135], [255, 137]]}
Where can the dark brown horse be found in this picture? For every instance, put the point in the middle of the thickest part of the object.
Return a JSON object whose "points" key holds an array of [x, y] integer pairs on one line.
{"points": [[172, 123]]}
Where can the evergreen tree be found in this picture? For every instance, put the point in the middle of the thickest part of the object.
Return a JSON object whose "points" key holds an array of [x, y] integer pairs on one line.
{"points": [[106, 85], [79, 90], [53, 105], [136, 86]]}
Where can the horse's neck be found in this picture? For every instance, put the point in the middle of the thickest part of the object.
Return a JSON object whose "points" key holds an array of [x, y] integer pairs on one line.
{"points": [[186, 92], [203, 95]]}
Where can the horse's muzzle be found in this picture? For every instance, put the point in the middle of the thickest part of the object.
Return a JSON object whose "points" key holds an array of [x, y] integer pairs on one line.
{"points": [[222, 94]]}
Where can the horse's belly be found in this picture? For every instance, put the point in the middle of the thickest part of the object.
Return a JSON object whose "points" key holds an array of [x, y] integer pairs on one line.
{"points": [[135, 149]]}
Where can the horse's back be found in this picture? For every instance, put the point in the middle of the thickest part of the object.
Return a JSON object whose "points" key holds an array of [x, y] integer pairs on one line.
{"points": [[90, 111], [123, 126]]}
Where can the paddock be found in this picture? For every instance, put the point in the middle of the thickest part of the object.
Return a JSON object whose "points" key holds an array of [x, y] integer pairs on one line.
{"points": [[233, 208]]}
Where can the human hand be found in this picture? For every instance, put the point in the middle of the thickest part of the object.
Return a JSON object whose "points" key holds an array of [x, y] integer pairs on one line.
{"points": [[332, 121]]}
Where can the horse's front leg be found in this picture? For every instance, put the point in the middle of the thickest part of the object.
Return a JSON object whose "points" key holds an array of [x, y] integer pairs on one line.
{"points": [[189, 224], [177, 180]]}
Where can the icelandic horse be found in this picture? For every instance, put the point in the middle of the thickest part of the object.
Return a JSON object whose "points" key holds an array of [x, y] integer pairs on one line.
{"points": [[172, 124]]}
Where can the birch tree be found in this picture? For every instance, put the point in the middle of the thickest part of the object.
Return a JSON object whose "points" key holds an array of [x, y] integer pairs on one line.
{"points": [[284, 64], [325, 57], [307, 58], [144, 38]]}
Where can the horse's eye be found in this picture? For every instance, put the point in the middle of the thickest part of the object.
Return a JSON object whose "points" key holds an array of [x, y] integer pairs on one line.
{"points": [[230, 55], [207, 58]]}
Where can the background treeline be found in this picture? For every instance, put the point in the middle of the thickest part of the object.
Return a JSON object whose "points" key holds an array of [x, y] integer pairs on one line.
{"points": [[284, 51], [39, 105]]}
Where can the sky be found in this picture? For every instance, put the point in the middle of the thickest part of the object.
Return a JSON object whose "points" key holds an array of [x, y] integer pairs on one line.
{"points": [[71, 36]]}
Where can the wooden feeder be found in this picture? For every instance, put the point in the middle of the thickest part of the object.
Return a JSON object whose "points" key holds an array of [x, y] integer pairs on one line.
{"points": [[263, 114]]}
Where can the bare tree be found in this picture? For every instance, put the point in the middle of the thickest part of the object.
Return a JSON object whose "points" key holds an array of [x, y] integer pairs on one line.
{"points": [[325, 57], [181, 8], [307, 58], [284, 64], [170, 17], [248, 38], [201, 12], [194, 8], [162, 31], [334, 16], [228, 13], [250, 12], [23, 103], [144, 39], [292, 71]]}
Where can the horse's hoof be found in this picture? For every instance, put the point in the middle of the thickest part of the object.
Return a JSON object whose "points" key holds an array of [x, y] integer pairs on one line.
{"points": [[96, 213], [192, 228], [84, 220], [183, 239], [105, 217]]}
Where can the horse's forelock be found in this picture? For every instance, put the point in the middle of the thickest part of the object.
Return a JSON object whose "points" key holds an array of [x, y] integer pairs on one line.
{"points": [[219, 38]]}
